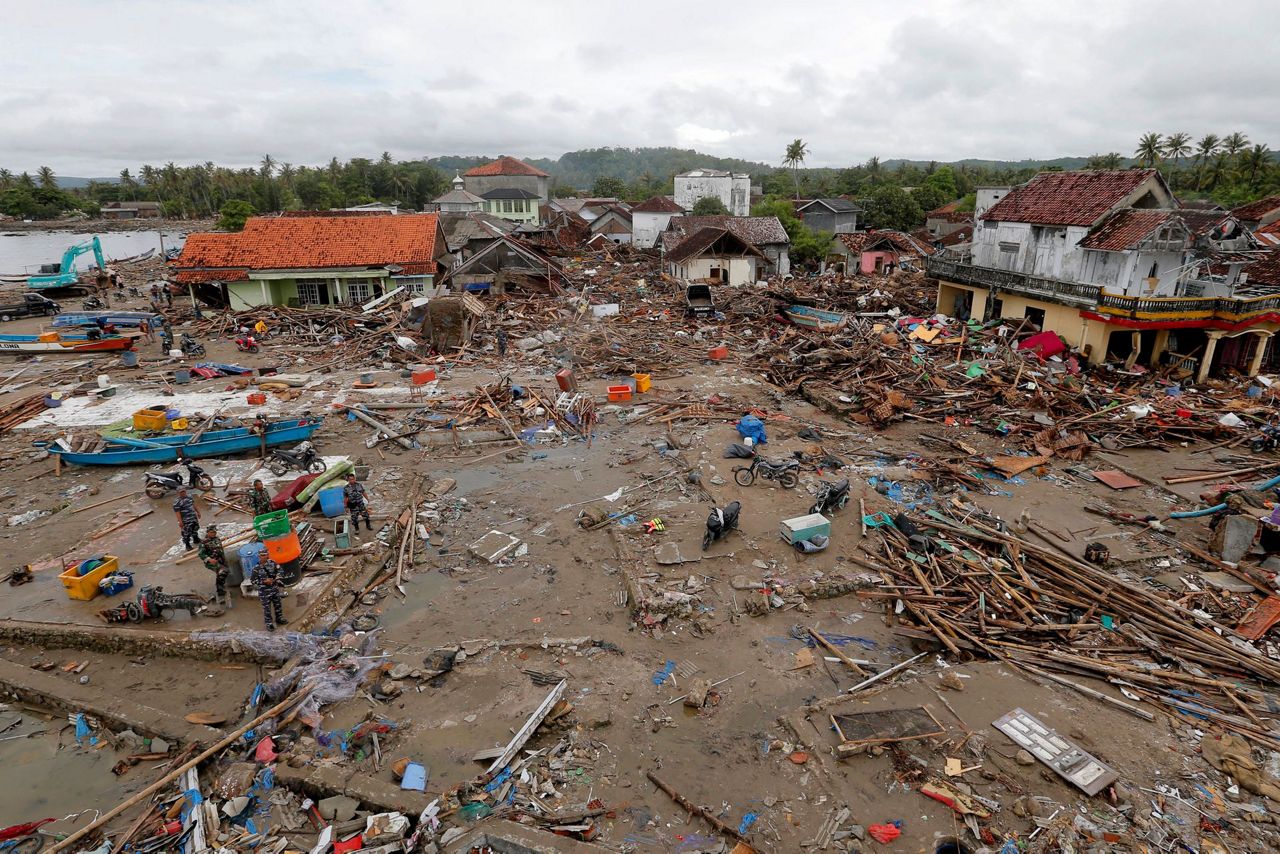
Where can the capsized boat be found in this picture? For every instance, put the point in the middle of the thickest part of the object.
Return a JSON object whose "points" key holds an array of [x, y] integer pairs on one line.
{"points": [[122, 451]]}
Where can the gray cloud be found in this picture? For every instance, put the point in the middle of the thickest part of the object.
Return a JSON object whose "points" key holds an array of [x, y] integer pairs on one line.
{"points": [[191, 81]]}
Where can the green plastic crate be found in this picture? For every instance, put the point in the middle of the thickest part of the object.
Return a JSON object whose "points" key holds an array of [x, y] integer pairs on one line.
{"points": [[268, 526]]}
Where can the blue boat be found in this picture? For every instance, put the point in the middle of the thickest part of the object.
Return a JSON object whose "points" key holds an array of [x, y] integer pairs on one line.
{"points": [[121, 451], [813, 318], [123, 319]]}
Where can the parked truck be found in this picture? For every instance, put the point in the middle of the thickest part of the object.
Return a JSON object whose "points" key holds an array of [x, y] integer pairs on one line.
{"points": [[31, 305]]}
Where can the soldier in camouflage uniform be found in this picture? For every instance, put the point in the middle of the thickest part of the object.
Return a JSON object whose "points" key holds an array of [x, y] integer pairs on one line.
{"points": [[214, 557], [259, 499], [188, 519], [266, 577]]}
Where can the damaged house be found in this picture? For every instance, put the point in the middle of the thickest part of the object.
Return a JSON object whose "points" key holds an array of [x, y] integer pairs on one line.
{"points": [[316, 260], [1114, 265], [650, 218], [764, 233], [877, 253], [506, 264], [716, 254]]}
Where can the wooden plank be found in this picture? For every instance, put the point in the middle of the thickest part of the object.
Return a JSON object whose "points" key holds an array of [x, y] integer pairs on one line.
{"points": [[526, 732]]}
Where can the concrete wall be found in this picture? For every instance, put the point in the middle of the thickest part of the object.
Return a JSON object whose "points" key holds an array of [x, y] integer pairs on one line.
{"points": [[646, 228], [985, 197], [1050, 252], [819, 218], [733, 190], [522, 210], [742, 271]]}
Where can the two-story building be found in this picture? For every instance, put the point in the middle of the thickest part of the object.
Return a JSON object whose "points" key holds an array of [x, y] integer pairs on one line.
{"points": [[507, 180], [834, 216], [1110, 262], [650, 218], [733, 189]]}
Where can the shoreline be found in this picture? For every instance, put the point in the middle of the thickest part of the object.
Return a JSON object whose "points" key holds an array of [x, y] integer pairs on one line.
{"points": [[17, 227]]}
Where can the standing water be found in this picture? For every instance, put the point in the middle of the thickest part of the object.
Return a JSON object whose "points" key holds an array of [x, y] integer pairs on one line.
{"points": [[22, 252]]}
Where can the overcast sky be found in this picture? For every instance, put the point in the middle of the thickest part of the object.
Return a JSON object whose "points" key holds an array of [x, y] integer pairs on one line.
{"points": [[89, 87]]}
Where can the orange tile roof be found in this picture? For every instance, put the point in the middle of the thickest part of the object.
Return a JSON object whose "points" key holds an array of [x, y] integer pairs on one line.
{"points": [[505, 165], [1254, 211], [1067, 198], [305, 243]]}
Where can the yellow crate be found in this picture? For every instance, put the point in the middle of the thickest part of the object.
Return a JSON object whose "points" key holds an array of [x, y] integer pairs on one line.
{"points": [[149, 420], [643, 382], [85, 587]]}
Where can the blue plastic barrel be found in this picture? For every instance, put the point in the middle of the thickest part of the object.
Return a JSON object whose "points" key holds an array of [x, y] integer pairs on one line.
{"points": [[129, 359], [250, 557], [331, 503]]}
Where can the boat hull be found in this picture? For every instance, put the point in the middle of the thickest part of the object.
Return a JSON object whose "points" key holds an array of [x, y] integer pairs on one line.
{"points": [[816, 319], [215, 443], [32, 344]]}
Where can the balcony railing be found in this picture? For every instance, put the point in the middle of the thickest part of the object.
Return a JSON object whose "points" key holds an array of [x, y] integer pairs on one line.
{"points": [[1056, 290], [1231, 309]]}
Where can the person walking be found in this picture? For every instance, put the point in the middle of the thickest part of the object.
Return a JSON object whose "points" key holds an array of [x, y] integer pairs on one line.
{"points": [[259, 499], [214, 557], [357, 502], [502, 342], [147, 335], [188, 519], [266, 577]]}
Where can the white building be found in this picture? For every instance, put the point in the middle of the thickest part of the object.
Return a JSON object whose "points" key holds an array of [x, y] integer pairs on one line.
{"points": [[650, 218], [731, 188]]}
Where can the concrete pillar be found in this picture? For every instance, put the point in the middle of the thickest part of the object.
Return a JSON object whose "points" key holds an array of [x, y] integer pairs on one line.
{"points": [[1255, 364], [1207, 359], [266, 300]]}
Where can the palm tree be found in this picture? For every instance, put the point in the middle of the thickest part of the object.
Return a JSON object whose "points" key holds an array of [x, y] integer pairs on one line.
{"points": [[26, 182], [1149, 149], [1205, 148], [1177, 145], [874, 169], [1220, 170], [794, 156], [1235, 143], [1105, 162], [126, 181], [1254, 162], [47, 179], [268, 166], [6, 179]]}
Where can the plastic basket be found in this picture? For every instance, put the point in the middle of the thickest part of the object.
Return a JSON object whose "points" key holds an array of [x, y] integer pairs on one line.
{"points": [[268, 526]]}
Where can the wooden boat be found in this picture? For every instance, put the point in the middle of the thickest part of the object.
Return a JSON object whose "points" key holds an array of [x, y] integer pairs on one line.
{"points": [[813, 318], [121, 451], [118, 318], [58, 342]]}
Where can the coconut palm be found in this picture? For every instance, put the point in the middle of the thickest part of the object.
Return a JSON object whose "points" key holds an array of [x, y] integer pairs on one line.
{"points": [[26, 182], [6, 179], [1235, 143], [793, 158], [1254, 163], [1105, 162], [1219, 170], [1177, 145], [1205, 148], [1149, 149], [129, 185], [47, 179]]}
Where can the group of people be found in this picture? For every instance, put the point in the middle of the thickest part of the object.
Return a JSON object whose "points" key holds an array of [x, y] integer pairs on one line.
{"points": [[267, 576]]}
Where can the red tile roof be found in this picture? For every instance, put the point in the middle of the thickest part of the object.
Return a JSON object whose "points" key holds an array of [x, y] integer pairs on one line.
{"points": [[1269, 235], [944, 211], [1067, 198], [305, 243], [505, 165], [658, 204], [1264, 271], [960, 235], [1124, 229], [864, 241], [1255, 211], [704, 238]]}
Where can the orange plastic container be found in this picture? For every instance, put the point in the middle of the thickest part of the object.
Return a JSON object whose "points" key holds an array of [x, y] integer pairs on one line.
{"points": [[566, 380], [644, 382], [284, 549], [423, 377], [718, 353], [149, 419], [257, 398], [619, 392]]}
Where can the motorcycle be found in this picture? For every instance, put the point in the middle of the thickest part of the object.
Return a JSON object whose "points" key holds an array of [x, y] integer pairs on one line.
{"points": [[831, 496], [153, 603], [303, 458], [91, 303], [190, 346], [1267, 440], [720, 522], [247, 344], [785, 472], [134, 292], [160, 483]]}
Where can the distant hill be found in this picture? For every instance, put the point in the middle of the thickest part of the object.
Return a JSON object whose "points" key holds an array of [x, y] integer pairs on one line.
{"points": [[1067, 163], [581, 168], [69, 182]]}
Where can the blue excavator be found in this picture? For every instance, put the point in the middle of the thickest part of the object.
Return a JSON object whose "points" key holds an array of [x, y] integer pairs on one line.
{"points": [[64, 275]]}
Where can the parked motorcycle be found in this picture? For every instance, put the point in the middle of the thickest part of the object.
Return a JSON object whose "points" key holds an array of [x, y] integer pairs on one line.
{"points": [[134, 292], [720, 522], [153, 603], [785, 472], [190, 346], [1268, 439], [302, 458], [91, 303], [831, 496], [247, 344], [161, 483]]}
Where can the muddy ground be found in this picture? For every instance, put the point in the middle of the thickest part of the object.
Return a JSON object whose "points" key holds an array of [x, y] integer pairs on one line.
{"points": [[732, 756]]}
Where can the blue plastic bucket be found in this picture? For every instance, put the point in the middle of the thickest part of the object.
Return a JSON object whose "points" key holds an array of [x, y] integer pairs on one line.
{"points": [[250, 557], [331, 502], [129, 359]]}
